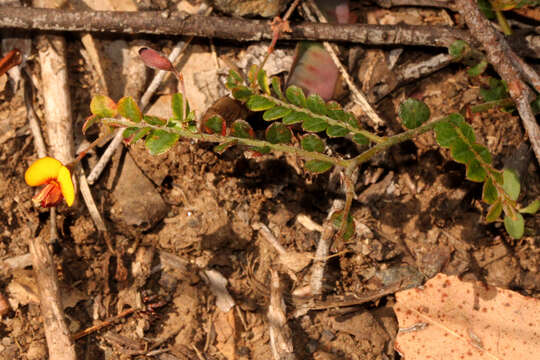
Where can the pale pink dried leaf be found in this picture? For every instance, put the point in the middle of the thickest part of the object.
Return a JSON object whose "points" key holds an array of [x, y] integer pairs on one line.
{"points": [[452, 319], [154, 59]]}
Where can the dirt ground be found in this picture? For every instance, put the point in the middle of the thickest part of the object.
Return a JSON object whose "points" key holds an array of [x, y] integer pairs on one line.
{"points": [[178, 217]]}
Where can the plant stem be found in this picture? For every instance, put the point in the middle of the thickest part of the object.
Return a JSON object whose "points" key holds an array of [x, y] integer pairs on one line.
{"points": [[392, 140], [309, 155]]}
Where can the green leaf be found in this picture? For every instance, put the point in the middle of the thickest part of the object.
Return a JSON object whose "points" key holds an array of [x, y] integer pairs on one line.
{"points": [[128, 108], [91, 120], [103, 106], [483, 152], [296, 96], [276, 86], [515, 227], [466, 131], [140, 134], [129, 132], [360, 139], [259, 103], [220, 149], [336, 131], [233, 80], [497, 90], [312, 142], [461, 151], [318, 166], [511, 183], [413, 113], [277, 133], [532, 208], [159, 141], [178, 106], [337, 219], [242, 93], [333, 105], [294, 117], [262, 79], [494, 212], [154, 120], [316, 104], [314, 124], [276, 113], [214, 124], [252, 75], [485, 7], [458, 48], [242, 129], [475, 171], [489, 192], [445, 134], [478, 69]]}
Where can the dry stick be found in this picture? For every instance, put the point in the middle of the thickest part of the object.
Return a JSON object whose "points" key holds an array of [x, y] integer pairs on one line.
{"points": [[179, 23], [414, 71], [502, 58], [280, 333], [321, 254], [57, 105], [358, 96], [59, 341], [145, 100]]}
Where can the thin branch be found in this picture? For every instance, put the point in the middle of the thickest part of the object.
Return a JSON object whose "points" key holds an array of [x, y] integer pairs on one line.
{"points": [[56, 331], [503, 59], [180, 23]]}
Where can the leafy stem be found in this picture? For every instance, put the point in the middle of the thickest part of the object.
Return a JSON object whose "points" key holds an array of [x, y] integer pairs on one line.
{"points": [[329, 120], [310, 155]]}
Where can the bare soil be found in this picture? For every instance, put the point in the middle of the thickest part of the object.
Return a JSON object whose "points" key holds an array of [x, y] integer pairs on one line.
{"points": [[415, 216]]}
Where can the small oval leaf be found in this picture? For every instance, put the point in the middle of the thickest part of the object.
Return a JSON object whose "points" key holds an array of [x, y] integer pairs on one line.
{"points": [[312, 142], [242, 129], [262, 79], [494, 212], [259, 103], [314, 124], [177, 104], [413, 113], [360, 139], [276, 86], [515, 227], [294, 117], [337, 220], [154, 120], [511, 183], [159, 141], [214, 124], [318, 166], [277, 133], [316, 104], [296, 96], [336, 131], [489, 192], [276, 113], [103, 106], [128, 108]]}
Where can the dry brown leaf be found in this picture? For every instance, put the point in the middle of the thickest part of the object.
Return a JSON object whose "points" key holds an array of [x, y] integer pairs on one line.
{"points": [[452, 319]]}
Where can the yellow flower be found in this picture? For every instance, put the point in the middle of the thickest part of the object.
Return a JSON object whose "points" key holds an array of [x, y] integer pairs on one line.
{"points": [[56, 178]]}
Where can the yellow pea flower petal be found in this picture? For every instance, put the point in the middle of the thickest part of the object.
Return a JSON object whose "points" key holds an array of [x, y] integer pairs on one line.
{"points": [[66, 185], [42, 170]]}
